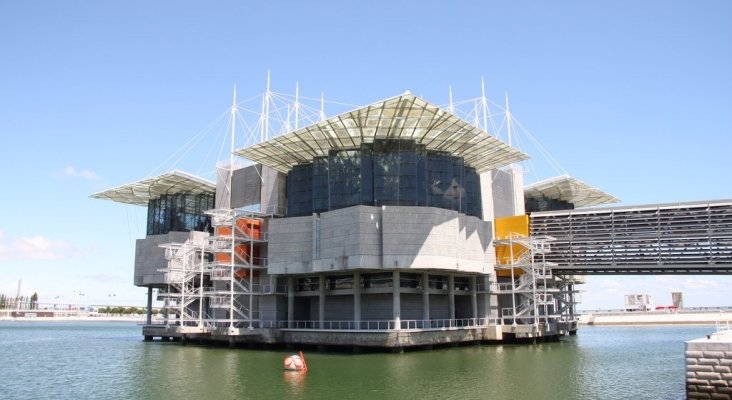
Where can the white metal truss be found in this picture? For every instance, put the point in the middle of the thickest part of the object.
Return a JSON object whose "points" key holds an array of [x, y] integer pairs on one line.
{"points": [[531, 285], [187, 273], [233, 266]]}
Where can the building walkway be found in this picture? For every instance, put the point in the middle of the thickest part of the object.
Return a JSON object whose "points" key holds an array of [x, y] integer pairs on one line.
{"points": [[681, 238]]}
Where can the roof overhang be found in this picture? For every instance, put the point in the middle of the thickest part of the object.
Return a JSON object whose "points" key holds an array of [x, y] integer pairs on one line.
{"points": [[140, 192], [569, 189], [401, 117]]}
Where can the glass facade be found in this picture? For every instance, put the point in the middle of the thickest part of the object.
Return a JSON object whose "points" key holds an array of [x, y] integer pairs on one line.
{"points": [[179, 212], [533, 204], [385, 172]]}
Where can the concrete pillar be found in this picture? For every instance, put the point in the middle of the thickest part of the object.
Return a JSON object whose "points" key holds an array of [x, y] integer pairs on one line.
{"points": [[290, 301], [473, 297], [357, 298], [396, 304], [321, 300], [149, 305], [451, 294], [425, 296]]}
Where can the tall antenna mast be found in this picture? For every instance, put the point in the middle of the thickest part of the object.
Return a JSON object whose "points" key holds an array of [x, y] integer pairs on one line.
{"points": [[451, 106], [297, 104], [484, 103], [322, 107], [17, 295], [508, 120], [231, 145], [265, 113]]}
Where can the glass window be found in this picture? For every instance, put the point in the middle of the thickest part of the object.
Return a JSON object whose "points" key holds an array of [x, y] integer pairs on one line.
{"points": [[385, 172], [181, 212]]}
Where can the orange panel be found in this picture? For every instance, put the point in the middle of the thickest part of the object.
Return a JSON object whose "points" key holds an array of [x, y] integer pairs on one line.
{"points": [[250, 227], [242, 254], [223, 231]]}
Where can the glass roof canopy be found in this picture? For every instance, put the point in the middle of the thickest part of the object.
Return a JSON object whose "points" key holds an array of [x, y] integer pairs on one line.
{"points": [[140, 192], [569, 189], [401, 117]]}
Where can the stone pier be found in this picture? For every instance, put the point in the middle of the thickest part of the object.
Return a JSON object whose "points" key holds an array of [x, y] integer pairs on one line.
{"points": [[709, 367]]}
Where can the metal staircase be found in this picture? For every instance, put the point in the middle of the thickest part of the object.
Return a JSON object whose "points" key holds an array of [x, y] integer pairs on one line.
{"points": [[531, 284]]}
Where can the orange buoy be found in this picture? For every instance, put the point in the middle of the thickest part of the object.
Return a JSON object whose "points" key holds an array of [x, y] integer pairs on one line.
{"points": [[296, 362]]}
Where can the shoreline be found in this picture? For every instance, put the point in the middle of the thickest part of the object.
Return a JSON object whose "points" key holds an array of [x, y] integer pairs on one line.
{"points": [[136, 320], [655, 318]]}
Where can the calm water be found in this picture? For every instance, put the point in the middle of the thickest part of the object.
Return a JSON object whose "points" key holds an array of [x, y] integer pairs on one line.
{"points": [[42, 360]]}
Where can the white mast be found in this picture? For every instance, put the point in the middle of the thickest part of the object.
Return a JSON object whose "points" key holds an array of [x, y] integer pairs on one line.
{"points": [[233, 215], [17, 295], [297, 104], [484, 102], [265, 113], [233, 134], [451, 106], [322, 107], [508, 120]]}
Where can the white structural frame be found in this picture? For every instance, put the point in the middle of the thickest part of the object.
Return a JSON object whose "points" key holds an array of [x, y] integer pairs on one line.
{"points": [[401, 117]]}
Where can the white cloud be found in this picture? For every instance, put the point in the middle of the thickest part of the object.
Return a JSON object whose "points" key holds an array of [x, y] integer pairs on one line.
{"points": [[35, 248], [72, 172]]}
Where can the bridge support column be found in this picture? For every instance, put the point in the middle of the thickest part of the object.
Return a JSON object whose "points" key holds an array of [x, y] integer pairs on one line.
{"points": [[473, 297], [290, 301], [321, 301], [357, 298], [396, 304], [451, 294], [149, 305], [425, 297]]}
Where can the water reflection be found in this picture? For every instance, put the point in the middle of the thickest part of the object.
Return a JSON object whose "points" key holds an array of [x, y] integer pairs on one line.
{"points": [[112, 362], [295, 380]]}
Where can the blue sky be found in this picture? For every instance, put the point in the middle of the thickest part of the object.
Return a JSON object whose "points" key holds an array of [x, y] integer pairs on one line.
{"points": [[632, 97]]}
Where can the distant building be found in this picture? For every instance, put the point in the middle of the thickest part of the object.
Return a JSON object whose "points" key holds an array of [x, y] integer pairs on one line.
{"points": [[638, 302]]}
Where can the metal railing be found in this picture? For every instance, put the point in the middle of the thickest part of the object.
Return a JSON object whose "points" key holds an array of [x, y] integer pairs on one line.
{"points": [[384, 325]]}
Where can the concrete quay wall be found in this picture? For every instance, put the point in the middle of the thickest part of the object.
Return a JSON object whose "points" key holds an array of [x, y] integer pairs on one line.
{"points": [[655, 318], [394, 339], [709, 367]]}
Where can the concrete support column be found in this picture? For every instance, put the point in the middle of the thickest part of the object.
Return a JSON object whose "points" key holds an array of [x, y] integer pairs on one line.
{"points": [[149, 305], [570, 297], [357, 298], [321, 300], [425, 296], [397, 303], [473, 297], [290, 301], [451, 294]]}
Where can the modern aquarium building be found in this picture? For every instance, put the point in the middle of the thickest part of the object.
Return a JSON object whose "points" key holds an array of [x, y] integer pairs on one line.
{"points": [[393, 225]]}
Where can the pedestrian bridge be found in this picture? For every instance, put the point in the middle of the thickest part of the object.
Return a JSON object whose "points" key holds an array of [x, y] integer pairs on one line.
{"points": [[681, 238]]}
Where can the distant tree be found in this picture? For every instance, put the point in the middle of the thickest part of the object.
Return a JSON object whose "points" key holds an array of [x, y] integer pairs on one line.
{"points": [[2, 301], [34, 301]]}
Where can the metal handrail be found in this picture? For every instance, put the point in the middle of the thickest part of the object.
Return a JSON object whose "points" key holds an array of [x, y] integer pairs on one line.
{"points": [[385, 325]]}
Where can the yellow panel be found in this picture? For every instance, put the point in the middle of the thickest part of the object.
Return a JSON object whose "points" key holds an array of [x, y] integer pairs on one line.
{"points": [[504, 252], [506, 227], [506, 273], [518, 225]]}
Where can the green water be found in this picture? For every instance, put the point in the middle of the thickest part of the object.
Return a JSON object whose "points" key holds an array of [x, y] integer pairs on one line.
{"points": [[40, 360]]}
